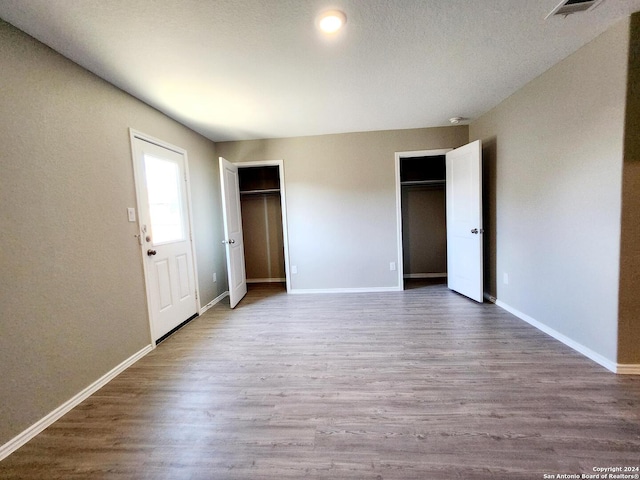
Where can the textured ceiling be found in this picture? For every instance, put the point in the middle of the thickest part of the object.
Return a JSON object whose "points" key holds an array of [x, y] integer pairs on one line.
{"points": [[241, 69]]}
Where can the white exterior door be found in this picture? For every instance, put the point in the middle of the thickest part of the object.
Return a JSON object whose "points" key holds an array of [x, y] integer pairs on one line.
{"points": [[233, 241], [464, 220], [165, 230]]}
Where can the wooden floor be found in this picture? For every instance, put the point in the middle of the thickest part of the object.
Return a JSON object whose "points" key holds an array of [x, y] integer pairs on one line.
{"points": [[421, 384]]}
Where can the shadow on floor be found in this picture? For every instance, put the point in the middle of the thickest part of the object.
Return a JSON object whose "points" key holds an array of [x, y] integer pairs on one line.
{"points": [[413, 283]]}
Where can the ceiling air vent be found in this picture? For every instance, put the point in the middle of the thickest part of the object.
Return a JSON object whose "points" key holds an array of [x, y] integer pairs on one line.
{"points": [[567, 7]]}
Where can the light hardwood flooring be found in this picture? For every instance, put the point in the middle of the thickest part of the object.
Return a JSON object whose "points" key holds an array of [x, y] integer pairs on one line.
{"points": [[420, 384]]}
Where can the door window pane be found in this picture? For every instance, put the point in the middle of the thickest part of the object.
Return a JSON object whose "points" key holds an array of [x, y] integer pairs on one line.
{"points": [[163, 189]]}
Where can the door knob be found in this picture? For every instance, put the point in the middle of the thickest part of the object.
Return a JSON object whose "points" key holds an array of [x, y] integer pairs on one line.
{"points": [[151, 252], [228, 241]]}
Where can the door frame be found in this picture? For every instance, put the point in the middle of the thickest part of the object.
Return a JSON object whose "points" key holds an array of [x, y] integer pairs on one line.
{"points": [[133, 135], [398, 157], [283, 207]]}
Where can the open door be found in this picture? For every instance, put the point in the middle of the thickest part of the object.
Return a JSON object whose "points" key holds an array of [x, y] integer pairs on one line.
{"points": [[464, 220], [233, 241]]}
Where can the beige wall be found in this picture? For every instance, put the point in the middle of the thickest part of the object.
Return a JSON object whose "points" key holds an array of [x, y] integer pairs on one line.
{"points": [[629, 329], [341, 201], [553, 164], [72, 301]]}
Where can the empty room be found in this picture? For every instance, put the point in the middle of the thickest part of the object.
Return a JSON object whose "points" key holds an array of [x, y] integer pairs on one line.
{"points": [[381, 239]]}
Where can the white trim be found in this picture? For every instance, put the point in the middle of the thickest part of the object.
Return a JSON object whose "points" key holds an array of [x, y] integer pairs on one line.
{"points": [[136, 180], [425, 275], [283, 207], [346, 290], [192, 230], [22, 438], [398, 156], [133, 135], [214, 301], [266, 280], [260, 163], [400, 259], [578, 347]]}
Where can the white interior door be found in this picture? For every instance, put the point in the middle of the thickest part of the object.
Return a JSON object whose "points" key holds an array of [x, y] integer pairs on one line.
{"points": [[233, 241], [163, 207], [464, 220]]}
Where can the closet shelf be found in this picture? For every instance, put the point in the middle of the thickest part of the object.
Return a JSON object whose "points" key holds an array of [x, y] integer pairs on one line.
{"points": [[410, 183], [259, 191]]}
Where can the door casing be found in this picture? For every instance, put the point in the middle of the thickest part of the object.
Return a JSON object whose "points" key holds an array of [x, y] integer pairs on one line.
{"points": [[283, 207], [398, 158]]}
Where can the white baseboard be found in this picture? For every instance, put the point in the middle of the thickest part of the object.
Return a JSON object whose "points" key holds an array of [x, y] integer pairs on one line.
{"points": [[425, 275], [345, 290], [213, 302], [266, 280], [22, 438], [614, 367]]}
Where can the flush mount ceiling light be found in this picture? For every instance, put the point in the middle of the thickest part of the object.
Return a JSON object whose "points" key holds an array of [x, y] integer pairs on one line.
{"points": [[456, 120], [331, 21]]}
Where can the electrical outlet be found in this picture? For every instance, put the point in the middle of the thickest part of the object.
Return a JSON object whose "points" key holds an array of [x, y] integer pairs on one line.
{"points": [[294, 269], [505, 278], [392, 266], [215, 277]]}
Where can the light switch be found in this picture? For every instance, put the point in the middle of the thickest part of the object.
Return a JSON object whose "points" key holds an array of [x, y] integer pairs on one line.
{"points": [[131, 212]]}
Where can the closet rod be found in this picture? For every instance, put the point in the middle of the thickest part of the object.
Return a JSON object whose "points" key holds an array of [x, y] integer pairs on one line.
{"points": [[258, 191], [409, 183]]}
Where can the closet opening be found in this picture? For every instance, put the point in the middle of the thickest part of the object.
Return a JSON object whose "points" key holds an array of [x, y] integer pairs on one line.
{"points": [[422, 177], [263, 223]]}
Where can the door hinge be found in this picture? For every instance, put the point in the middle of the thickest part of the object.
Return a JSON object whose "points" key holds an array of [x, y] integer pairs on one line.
{"points": [[196, 294]]}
